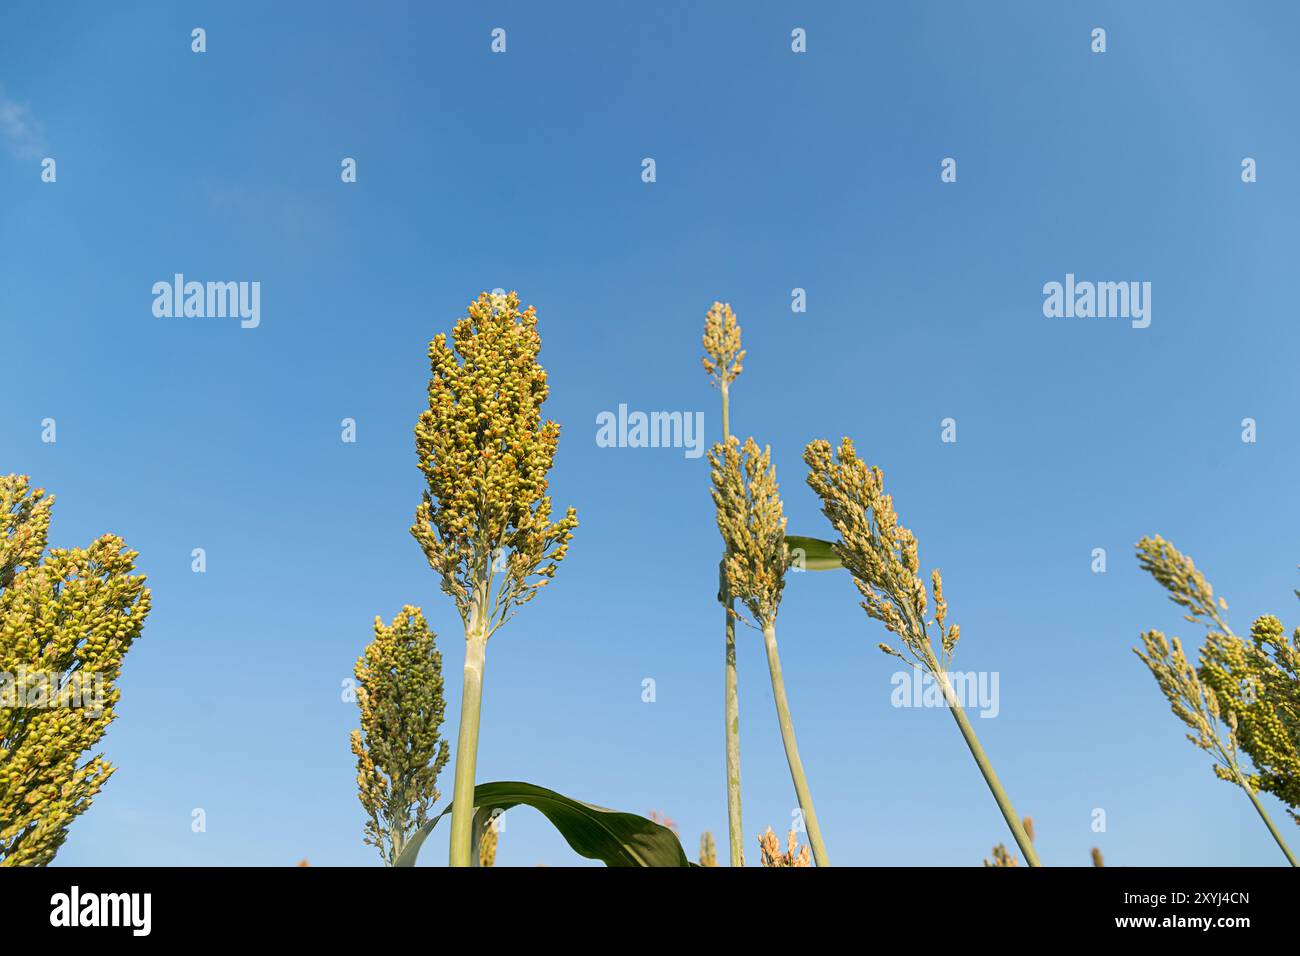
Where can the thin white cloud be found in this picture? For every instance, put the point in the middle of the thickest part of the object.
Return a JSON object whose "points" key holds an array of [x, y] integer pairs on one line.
{"points": [[19, 129]]}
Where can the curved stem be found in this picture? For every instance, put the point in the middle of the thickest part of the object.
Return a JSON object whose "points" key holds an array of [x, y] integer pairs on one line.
{"points": [[735, 829], [792, 749], [462, 813], [1004, 802], [1263, 815]]}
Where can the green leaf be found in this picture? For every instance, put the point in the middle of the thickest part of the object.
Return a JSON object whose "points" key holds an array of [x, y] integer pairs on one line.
{"points": [[812, 554], [614, 838], [412, 848]]}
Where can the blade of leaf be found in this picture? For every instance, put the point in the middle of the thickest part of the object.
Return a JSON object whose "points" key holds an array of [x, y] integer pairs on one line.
{"points": [[611, 836], [812, 554], [412, 848]]}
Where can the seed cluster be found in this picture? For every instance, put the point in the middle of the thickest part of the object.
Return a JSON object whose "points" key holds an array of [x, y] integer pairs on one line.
{"points": [[1193, 702], [1269, 715], [73, 613], [723, 354], [1258, 682], [399, 749], [770, 848], [485, 453], [880, 553], [749, 515], [1177, 574], [1002, 857], [487, 845], [708, 850], [1250, 687]]}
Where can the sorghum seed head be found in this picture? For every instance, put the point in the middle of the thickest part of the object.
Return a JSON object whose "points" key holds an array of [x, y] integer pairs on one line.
{"points": [[722, 352], [880, 553], [485, 452], [752, 522]]}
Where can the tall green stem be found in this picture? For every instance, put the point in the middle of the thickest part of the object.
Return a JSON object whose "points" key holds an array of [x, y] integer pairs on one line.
{"points": [[462, 813], [1263, 815], [1004, 802], [792, 749], [735, 831]]}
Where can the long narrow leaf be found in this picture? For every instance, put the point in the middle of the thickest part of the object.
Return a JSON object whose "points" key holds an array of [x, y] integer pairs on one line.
{"points": [[613, 837], [412, 848]]}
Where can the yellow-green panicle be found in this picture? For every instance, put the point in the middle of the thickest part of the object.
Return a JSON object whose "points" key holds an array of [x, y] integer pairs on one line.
{"points": [[751, 520], [771, 855], [880, 553], [67, 619], [722, 352], [398, 748], [485, 453]]}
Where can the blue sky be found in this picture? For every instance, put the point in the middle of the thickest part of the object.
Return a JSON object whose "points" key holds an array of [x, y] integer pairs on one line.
{"points": [[774, 171]]}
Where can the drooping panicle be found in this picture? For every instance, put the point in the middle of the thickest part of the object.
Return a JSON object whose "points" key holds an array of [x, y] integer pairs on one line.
{"points": [[1241, 700], [1177, 574], [883, 558], [879, 552]]}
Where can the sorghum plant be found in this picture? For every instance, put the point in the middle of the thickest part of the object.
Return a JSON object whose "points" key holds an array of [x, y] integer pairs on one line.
{"points": [[487, 844], [708, 850], [399, 749], [67, 619], [1259, 682], [769, 848], [485, 521], [1236, 686], [722, 362], [1002, 857], [752, 522], [882, 556]]}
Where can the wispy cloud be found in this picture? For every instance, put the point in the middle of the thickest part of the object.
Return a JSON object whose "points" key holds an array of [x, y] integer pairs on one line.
{"points": [[291, 214], [19, 129]]}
